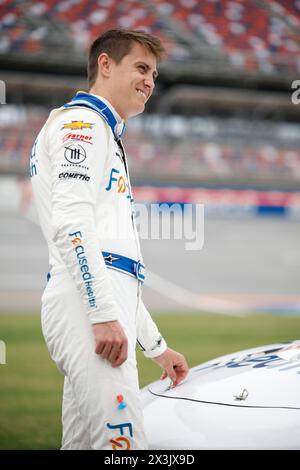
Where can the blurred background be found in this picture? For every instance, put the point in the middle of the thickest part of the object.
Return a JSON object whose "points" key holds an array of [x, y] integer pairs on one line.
{"points": [[221, 130]]}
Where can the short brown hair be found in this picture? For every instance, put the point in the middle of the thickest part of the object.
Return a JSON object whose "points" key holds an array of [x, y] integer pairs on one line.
{"points": [[117, 43]]}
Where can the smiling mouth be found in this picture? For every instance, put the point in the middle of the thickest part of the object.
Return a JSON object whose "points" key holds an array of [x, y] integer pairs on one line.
{"points": [[142, 93]]}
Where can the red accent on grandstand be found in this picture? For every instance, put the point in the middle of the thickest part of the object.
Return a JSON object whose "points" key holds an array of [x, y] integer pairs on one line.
{"points": [[220, 197]]}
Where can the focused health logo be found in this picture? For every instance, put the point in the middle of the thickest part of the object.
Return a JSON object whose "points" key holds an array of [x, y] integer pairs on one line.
{"points": [[84, 266], [120, 180]]}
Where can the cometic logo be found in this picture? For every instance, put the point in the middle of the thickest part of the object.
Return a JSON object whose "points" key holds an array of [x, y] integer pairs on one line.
{"points": [[84, 267], [77, 176], [2, 352]]}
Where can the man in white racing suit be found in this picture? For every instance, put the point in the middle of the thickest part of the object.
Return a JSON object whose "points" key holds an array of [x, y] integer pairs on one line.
{"points": [[92, 312]]}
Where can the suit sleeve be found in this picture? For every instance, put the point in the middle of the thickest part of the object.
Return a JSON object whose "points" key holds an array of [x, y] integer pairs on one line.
{"points": [[149, 338], [77, 165]]}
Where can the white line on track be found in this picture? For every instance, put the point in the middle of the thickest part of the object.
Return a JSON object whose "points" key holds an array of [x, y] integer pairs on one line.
{"points": [[194, 301]]}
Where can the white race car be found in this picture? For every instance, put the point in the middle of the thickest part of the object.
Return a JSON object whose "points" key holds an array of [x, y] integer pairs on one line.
{"points": [[244, 400]]}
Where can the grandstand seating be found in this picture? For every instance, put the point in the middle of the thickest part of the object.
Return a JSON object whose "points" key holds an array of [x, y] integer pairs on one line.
{"points": [[258, 36], [84, 19], [197, 158], [245, 32], [182, 156], [248, 35]]}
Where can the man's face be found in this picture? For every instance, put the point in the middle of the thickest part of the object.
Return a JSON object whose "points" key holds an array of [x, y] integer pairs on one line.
{"points": [[131, 82]]}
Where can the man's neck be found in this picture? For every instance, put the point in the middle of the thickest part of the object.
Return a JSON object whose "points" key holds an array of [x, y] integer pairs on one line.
{"points": [[118, 123], [107, 100]]}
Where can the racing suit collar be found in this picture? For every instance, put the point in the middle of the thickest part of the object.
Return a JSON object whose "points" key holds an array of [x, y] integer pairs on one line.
{"points": [[120, 126], [102, 107]]}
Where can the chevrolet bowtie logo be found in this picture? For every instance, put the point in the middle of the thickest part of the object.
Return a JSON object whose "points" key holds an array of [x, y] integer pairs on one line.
{"points": [[78, 125], [110, 258]]}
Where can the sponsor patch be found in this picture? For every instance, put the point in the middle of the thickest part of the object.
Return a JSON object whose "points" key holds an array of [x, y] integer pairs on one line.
{"points": [[120, 400], [87, 278], [74, 175], [121, 442], [157, 343], [33, 161], [80, 137], [68, 165], [120, 180], [78, 125], [75, 154]]}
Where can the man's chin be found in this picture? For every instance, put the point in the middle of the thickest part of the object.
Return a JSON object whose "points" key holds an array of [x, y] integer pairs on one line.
{"points": [[138, 110]]}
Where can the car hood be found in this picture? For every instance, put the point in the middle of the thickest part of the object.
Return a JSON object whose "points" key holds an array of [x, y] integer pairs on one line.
{"points": [[266, 377]]}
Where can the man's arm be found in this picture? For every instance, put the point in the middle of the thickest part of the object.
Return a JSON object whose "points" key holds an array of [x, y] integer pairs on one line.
{"points": [[149, 338], [155, 347], [75, 187]]}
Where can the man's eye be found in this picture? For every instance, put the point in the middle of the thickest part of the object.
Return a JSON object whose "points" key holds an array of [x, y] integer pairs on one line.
{"points": [[142, 68]]}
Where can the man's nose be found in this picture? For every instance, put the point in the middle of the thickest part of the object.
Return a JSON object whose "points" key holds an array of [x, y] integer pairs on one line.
{"points": [[149, 83]]}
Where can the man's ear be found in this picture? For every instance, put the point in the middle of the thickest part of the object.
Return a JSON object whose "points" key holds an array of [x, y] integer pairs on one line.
{"points": [[104, 64]]}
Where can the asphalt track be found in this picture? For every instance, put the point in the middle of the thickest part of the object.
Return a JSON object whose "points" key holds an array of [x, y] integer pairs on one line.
{"points": [[245, 265]]}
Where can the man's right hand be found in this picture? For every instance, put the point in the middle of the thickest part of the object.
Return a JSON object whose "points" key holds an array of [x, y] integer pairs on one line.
{"points": [[111, 343]]}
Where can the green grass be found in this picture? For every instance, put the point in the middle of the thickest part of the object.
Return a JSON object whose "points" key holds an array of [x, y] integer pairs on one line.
{"points": [[30, 384]]}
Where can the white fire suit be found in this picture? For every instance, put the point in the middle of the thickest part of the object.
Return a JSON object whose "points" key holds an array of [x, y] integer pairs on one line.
{"points": [[83, 196]]}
